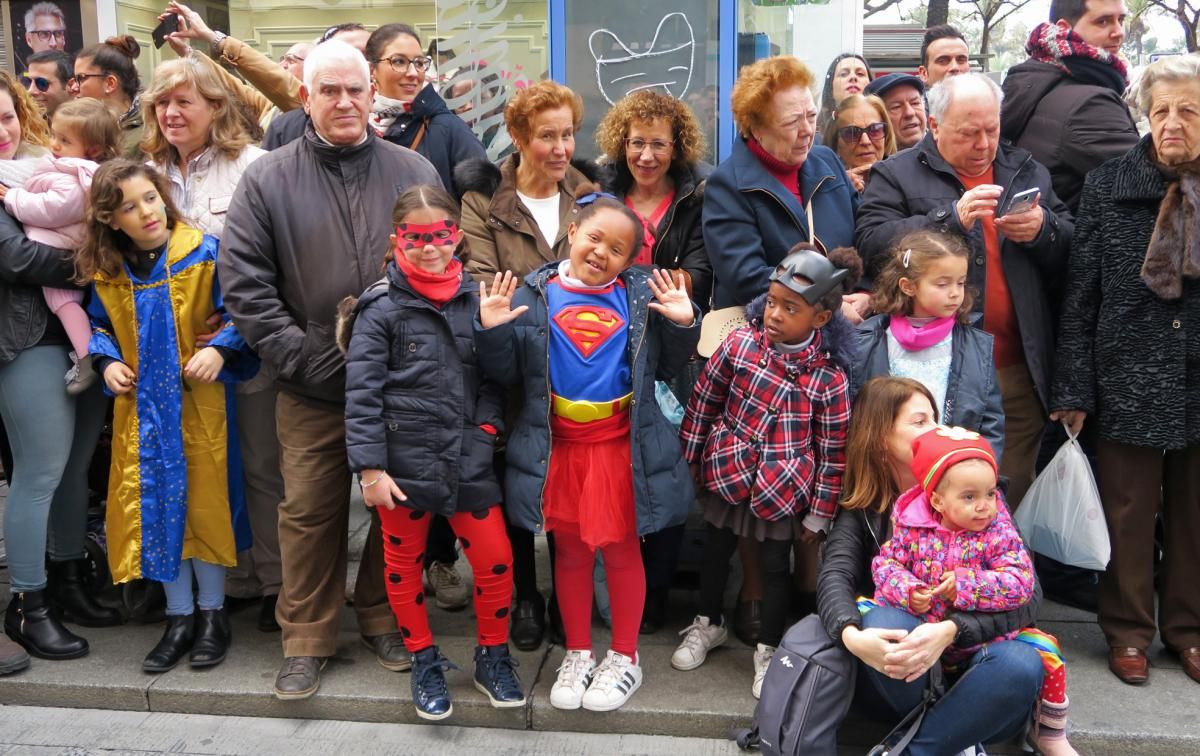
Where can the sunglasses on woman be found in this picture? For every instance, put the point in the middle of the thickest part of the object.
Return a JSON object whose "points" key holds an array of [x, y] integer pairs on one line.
{"points": [[41, 82], [852, 134]]}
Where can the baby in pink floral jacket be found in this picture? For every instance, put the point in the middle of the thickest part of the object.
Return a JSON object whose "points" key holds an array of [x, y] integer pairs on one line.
{"points": [[955, 548]]}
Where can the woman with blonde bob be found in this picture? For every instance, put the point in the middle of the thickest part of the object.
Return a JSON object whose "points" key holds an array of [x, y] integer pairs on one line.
{"points": [[195, 134], [861, 134], [198, 138]]}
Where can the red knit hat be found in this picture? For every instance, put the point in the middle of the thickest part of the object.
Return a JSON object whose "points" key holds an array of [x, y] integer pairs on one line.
{"points": [[938, 450]]}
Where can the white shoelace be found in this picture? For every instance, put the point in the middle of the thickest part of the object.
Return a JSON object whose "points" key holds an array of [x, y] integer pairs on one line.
{"points": [[573, 669], [693, 636], [610, 672]]}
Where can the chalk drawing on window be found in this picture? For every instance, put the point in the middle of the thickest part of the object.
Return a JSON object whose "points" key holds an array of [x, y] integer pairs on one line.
{"points": [[621, 70]]}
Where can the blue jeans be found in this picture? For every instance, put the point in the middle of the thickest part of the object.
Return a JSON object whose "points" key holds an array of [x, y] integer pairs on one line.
{"points": [[209, 577], [990, 701], [53, 436]]}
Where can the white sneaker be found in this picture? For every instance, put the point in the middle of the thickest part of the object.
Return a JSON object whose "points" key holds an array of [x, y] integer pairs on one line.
{"points": [[615, 680], [699, 638], [450, 591], [762, 660], [574, 676]]}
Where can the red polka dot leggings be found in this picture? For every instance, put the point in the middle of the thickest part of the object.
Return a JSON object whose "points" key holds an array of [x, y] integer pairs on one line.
{"points": [[486, 547]]}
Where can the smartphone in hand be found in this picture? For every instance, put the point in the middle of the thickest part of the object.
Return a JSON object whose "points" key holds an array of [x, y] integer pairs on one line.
{"points": [[168, 25], [1021, 202]]}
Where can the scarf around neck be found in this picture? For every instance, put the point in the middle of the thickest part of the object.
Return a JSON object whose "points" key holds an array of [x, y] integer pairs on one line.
{"points": [[1174, 250], [914, 338], [1050, 43], [438, 288], [385, 111]]}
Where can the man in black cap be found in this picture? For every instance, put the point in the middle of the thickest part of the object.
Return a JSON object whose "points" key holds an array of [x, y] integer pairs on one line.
{"points": [[904, 96]]}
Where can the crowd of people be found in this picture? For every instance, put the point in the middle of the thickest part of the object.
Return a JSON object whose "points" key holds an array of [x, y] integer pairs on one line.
{"points": [[842, 348]]}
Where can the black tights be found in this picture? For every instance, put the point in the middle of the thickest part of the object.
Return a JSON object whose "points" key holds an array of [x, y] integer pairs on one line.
{"points": [[775, 557]]}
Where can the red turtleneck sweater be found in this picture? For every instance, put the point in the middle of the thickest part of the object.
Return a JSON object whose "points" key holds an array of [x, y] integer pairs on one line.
{"points": [[788, 175]]}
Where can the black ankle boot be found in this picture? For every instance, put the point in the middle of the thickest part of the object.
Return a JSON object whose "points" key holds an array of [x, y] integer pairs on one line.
{"points": [[528, 624], [69, 594], [176, 641], [212, 638], [30, 623]]}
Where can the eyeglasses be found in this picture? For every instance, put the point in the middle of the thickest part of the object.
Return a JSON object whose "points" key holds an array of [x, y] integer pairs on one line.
{"points": [[400, 64], [657, 146], [81, 78], [49, 34], [852, 134], [291, 59], [41, 82]]}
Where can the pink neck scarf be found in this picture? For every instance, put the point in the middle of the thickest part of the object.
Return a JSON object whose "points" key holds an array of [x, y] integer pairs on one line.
{"points": [[914, 339]]}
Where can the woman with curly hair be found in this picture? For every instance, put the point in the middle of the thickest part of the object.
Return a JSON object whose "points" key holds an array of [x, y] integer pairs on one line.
{"points": [[653, 148]]}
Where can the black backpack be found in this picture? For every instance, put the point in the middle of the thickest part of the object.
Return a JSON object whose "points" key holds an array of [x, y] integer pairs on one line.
{"points": [[805, 695]]}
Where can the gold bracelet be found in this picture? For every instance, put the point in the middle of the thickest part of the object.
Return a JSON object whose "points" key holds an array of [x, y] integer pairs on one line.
{"points": [[361, 484]]}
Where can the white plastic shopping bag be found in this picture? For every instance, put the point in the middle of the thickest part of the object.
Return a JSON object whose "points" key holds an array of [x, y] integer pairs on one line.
{"points": [[1061, 517]]}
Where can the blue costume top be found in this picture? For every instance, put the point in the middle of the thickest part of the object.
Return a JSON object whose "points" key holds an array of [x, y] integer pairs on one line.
{"points": [[589, 342]]}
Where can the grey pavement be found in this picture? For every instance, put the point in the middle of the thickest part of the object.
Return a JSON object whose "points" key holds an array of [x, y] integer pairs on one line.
{"points": [[36, 731], [1107, 716]]}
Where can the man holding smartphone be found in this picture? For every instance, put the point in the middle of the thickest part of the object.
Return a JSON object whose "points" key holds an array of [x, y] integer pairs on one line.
{"points": [[962, 179]]}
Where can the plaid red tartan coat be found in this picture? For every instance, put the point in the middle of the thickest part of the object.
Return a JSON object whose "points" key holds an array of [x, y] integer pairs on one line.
{"points": [[768, 429]]}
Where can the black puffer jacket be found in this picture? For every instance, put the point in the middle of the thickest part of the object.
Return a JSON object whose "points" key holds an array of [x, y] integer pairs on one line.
{"points": [[917, 188], [679, 238], [416, 398], [845, 574], [1068, 125], [448, 140], [25, 267], [1127, 357]]}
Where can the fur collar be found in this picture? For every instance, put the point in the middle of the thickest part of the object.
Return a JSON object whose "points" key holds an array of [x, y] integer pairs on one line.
{"points": [[1174, 250]]}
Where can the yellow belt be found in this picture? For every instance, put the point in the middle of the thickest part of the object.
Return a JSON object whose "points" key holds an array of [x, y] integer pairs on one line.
{"points": [[585, 411]]}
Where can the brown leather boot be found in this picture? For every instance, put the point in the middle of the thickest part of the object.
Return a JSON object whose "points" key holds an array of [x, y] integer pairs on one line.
{"points": [[13, 658]]}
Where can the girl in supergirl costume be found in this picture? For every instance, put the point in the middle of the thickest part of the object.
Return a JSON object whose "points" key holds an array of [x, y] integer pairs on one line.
{"points": [[421, 426], [592, 458], [175, 502]]}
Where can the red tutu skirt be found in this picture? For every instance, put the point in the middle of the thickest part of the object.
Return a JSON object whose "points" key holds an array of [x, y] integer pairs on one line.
{"points": [[589, 486]]}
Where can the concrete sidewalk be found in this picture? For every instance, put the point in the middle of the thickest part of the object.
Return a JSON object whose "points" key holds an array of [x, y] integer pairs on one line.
{"points": [[1108, 717]]}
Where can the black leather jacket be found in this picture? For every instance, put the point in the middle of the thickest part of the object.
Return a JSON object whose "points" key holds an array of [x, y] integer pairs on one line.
{"points": [[25, 267]]}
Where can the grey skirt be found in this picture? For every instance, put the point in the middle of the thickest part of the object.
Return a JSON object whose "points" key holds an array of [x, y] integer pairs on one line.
{"points": [[741, 520]]}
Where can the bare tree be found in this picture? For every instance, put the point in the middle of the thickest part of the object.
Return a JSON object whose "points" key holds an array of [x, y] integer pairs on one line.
{"points": [[1136, 28], [938, 13], [870, 9], [1187, 12], [992, 13]]}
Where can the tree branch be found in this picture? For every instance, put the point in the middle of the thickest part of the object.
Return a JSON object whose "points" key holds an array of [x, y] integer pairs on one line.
{"points": [[870, 10]]}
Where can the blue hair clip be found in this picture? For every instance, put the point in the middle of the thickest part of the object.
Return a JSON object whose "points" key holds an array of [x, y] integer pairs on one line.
{"points": [[588, 199]]}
